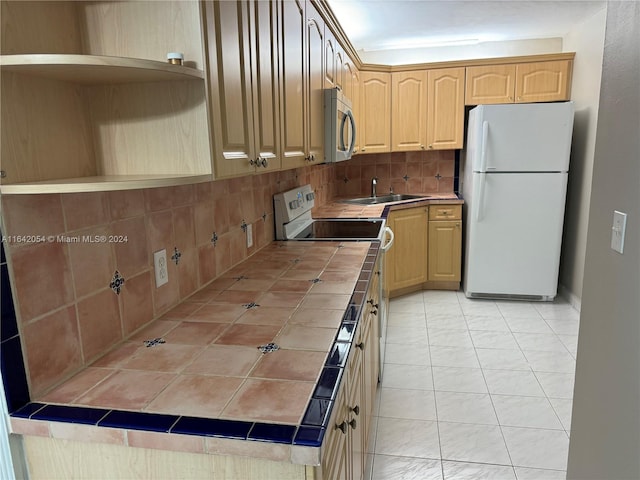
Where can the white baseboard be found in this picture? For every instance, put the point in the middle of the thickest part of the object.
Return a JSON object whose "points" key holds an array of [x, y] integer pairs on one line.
{"points": [[570, 297]]}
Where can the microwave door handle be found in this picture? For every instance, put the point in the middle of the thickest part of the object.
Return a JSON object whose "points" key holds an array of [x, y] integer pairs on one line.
{"points": [[352, 121]]}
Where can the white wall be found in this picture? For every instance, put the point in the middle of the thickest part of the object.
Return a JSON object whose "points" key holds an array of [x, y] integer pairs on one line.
{"points": [[463, 52], [587, 40], [605, 428]]}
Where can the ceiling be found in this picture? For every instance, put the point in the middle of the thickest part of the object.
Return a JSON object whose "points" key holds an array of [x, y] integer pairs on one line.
{"points": [[374, 25]]}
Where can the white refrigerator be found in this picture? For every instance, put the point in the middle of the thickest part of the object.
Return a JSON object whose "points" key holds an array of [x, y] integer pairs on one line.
{"points": [[514, 183]]}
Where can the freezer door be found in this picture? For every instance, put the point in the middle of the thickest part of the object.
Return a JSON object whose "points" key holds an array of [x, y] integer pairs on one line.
{"points": [[532, 137], [514, 234]]}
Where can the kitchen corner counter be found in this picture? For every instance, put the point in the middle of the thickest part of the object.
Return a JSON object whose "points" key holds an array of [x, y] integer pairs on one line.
{"points": [[339, 209], [248, 366]]}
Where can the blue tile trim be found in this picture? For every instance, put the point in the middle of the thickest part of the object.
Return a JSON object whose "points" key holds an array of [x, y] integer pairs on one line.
{"points": [[318, 412], [151, 422], [328, 383], [209, 427], [338, 354], [8, 322], [28, 410], [69, 414], [309, 436], [270, 432], [346, 332], [14, 376]]}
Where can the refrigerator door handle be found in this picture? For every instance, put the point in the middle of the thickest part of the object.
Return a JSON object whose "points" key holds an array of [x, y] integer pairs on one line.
{"points": [[485, 138], [482, 180]]}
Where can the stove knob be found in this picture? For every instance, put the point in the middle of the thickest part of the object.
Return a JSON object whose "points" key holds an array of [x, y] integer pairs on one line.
{"points": [[293, 204], [310, 196]]}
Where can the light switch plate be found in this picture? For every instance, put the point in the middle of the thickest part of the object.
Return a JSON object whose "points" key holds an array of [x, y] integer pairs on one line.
{"points": [[249, 235], [618, 231]]}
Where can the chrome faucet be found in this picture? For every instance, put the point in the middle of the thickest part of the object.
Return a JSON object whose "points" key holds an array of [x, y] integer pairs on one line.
{"points": [[374, 182]]}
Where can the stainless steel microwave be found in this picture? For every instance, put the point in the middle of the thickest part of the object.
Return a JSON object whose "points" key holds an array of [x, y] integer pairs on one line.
{"points": [[339, 126]]}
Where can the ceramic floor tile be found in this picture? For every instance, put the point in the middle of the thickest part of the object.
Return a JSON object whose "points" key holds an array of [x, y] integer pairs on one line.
{"points": [[306, 338], [162, 357], [445, 337], [127, 390], [502, 359], [445, 320], [228, 360], [407, 335], [416, 306], [387, 467], [555, 362], [440, 296], [270, 401], [196, 395], [417, 377], [563, 408], [542, 342], [404, 319], [248, 335], [407, 354], [265, 316], [480, 307], [557, 311], [453, 357], [465, 408], [517, 309], [473, 443], [407, 438], [570, 342], [534, 412], [539, 474], [564, 326], [456, 379], [476, 471], [408, 404], [493, 323], [488, 339], [443, 309], [195, 333], [537, 448], [528, 325], [513, 382], [556, 385], [282, 364]]}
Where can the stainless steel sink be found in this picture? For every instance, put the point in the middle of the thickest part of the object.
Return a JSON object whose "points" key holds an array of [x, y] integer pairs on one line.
{"points": [[394, 197]]}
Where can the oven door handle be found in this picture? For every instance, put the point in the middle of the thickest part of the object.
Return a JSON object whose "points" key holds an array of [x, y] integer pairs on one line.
{"points": [[387, 245]]}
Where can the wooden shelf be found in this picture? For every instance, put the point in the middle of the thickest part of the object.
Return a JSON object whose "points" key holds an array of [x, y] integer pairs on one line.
{"points": [[97, 69], [102, 183]]}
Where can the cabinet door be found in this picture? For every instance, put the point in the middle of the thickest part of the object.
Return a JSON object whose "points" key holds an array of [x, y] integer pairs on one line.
{"points": [[330, 60], [355, 106], [490, 84], [543, 81], [230, 86], [375, 112], [266, 118], [445, 109], [292, 78], [336, 453], [356, 408], [445, 250], [406, 260], [340, 72], [408, 111], [315, 56]]}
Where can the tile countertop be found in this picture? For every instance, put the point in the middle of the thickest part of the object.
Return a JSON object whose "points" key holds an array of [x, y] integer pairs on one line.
{"points": [[196, 379], [337, 209]]}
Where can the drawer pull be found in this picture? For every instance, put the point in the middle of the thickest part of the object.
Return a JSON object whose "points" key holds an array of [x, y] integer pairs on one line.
{"points": [[356, 410], [353, 423], [360, 345], [374, 312], [375, 305], [342, 427]]}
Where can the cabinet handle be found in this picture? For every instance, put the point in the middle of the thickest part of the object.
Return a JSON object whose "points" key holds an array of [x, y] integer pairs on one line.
{"points": [[457, 225], [372, 304], [422, 146], [430, 146], [253, 163], [360, 345], [353, 423], [362, 149], [342, 427], [262, 162], [355, 410], [374, 312]]}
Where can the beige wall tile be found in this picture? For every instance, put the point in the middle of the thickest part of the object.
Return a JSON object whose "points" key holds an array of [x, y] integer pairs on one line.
{"points": [[100, 325], [82, 210]]}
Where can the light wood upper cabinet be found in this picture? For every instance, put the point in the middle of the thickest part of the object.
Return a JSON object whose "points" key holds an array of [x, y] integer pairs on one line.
{"points": [[543, 81], [445, 108], [316, 85], [330, 69], [243, 86], [374, 118], [408, 110], [519, 83], [340, 67], [356, 105], [490, 84], [71, 84]]}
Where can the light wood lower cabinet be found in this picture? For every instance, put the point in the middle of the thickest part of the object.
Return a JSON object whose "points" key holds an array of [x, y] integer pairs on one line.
{"points": [[445, 243], [406, 260]]}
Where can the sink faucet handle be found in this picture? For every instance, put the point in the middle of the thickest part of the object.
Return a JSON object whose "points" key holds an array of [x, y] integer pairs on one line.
{"points": [[391, 189], [374, 182]]}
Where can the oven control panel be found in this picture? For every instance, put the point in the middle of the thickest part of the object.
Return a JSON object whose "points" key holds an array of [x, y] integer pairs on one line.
{"points": [[293, 206]]}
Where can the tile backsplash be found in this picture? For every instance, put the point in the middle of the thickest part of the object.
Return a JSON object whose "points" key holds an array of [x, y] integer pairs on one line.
{"points": [[87, 246]]}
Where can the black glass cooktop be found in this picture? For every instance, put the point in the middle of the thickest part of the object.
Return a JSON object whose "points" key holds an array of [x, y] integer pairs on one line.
{"points": [[342, 229]]}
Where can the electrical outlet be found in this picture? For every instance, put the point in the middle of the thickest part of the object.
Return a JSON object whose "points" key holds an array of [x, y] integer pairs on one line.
{"points": [[160, 267], [249, 235], [618, 231]]}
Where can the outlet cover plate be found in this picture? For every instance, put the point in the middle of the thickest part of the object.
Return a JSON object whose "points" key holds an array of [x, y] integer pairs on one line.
{"points": [[160, 267]]}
